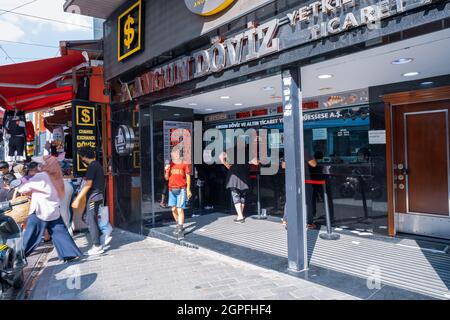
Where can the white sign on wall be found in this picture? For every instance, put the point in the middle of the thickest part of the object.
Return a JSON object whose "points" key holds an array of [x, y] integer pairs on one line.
{"points": [[320, 134], [377, 137]]}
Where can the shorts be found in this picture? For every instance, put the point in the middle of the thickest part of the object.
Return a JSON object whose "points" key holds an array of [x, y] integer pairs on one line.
{"points": [[238, 196], [16, 143], [177, 198]]}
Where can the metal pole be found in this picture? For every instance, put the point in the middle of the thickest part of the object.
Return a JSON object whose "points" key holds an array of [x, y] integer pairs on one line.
{"points": [[259, 216], [259, 195], [295, 176], [329, 235]]}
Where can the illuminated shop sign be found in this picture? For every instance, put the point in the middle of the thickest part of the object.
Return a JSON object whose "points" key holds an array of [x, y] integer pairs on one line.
{"points": [[308, 23], [250, 45], [130, 31], [329, 17], [335, 100], [207, 7], [85, 132], [350, 113], [124, 140]]}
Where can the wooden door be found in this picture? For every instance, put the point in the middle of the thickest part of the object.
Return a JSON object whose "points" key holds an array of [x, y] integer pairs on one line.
{"points": [[421, 167]]}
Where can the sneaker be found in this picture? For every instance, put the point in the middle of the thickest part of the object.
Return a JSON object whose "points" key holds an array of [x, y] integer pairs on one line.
{"points": [[95, 251], [177, 230], [180, 234], [105, 239], [71, 259]]}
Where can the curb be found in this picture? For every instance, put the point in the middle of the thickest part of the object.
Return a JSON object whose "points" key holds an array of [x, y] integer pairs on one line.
{"points": [[36, 271]]}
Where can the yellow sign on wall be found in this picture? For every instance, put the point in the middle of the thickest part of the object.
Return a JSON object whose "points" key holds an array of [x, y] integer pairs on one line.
{"points": [[207, 7], [85, 116], [130, 31], [85, 130]]}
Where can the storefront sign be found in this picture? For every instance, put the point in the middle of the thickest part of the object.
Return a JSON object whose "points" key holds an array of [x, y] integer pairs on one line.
{"points": [[124, 140], [343, 99], [84, 132], [252, 44], [250, 124], [361, 113], [207, 7], [309, 23], [329, 17], [327, 115], [130, 31]]}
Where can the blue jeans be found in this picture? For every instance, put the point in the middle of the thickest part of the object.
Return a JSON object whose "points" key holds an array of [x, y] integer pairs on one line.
{"points": [[63, 242]]}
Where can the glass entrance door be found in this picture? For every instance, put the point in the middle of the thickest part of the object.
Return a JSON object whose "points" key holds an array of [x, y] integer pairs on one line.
{"points": [[161, 126]]}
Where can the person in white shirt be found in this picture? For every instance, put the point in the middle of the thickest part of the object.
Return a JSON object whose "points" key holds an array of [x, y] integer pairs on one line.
{"points": [[47, 192]]}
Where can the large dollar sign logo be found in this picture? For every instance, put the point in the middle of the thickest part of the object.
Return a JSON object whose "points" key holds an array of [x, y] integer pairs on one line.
{"points": [[129, 32], [85, 116]]}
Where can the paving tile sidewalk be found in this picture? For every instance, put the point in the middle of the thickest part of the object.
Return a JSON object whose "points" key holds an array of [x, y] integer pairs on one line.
{"points": [[34, 265], [137, 267]]}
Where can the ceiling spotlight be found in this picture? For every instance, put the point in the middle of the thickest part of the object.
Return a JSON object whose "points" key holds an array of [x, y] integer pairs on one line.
{"points": [[402, 61], [325, 76], [238, 104], [208, 109], [225, 97], [268, 88], [177, 114], [192, 104], [411, 74], [426, 83], [325, 89]]}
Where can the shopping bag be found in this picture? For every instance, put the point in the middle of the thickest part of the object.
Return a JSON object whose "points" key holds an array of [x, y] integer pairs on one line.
{"points": [[103, 220]]}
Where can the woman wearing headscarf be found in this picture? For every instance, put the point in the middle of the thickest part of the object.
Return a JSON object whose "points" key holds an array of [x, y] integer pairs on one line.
{"points": [[47, 191]]}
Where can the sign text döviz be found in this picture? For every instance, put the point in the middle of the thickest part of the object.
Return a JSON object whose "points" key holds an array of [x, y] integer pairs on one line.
{"points": [[321, 18]]}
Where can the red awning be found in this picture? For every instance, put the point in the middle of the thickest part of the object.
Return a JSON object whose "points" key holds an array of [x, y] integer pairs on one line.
{"points": [[33, 85]]}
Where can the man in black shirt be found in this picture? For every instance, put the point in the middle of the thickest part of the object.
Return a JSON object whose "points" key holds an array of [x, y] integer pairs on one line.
{"points": [[15, 125], [94, 192]]}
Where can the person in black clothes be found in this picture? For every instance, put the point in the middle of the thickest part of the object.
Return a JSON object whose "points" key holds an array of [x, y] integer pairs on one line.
{"points": [[94, 192], [68, 146], [317, 190], [238, 181], [6, 192], [15, 124]]}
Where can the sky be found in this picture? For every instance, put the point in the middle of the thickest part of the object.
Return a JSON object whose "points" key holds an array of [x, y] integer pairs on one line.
{"points": [[41, 35]]}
